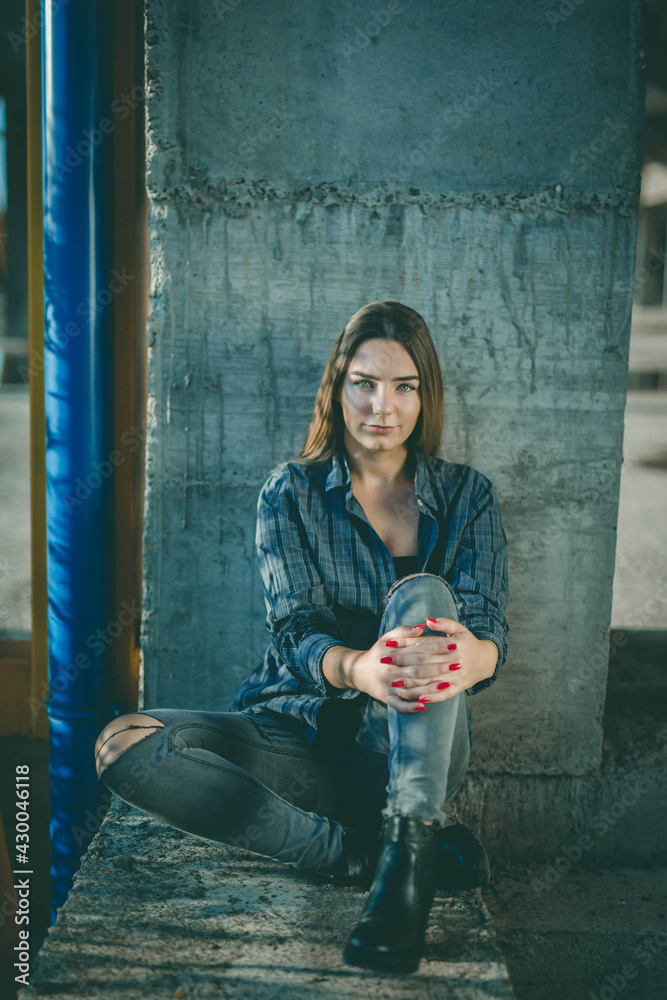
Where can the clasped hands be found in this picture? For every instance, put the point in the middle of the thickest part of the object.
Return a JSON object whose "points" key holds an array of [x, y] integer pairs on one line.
{"points": [[407, 669]]}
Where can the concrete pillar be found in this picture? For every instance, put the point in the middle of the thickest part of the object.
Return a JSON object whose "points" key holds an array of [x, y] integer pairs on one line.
{"points": [[478, 162]]}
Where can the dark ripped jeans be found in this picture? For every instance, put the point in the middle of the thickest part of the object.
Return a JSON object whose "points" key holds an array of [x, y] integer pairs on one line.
{"points": [[215, 775]]}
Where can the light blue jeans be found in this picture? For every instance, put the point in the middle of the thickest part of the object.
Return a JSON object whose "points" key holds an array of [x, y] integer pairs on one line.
{"points": [[428, 751], [217, 776]]}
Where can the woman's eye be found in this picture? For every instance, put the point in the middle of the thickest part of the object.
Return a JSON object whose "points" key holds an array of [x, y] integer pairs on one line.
{"points": [[364, 381]]}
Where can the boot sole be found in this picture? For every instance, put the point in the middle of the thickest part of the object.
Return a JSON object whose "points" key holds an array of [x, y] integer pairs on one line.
{"points": [[370, 958]]}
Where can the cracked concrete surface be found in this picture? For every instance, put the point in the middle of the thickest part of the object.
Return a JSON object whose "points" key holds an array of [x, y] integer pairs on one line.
{"points": [[158, 913]]}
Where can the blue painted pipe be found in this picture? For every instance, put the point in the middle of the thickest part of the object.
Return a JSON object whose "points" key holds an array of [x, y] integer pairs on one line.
{"points": [[77, 94]]}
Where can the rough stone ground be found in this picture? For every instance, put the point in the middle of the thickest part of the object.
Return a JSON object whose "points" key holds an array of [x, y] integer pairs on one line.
{"points": [[158, 913]]}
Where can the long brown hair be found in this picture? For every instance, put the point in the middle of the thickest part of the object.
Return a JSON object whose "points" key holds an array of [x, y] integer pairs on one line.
{"points": [[384, 320]]}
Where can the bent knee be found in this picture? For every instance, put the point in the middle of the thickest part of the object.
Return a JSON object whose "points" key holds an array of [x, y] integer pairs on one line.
{"points": [[425, 576], [123, 722], [408, 576], [121, 733]]}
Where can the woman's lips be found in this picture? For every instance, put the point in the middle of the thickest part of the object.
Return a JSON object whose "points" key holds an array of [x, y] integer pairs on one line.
{"points": [[378, 429]]}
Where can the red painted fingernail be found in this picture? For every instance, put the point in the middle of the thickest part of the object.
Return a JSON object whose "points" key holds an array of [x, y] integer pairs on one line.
{"points": [[432, 620], [398, 684], [419, 626], [386, 659], [391, 642], [424, 697], [452, 645], [445, 684], [420, 708], [454, 666]]}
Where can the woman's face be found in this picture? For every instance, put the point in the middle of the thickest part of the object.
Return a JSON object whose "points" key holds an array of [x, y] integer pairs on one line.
{"points": [[380, 388]]}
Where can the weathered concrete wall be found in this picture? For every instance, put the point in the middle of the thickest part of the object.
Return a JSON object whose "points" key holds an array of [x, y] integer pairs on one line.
{"points": [[476, 161]]}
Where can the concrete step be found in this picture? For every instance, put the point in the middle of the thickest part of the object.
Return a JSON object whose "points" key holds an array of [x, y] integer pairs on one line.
{"points": [[161, 914], [589, 936]]}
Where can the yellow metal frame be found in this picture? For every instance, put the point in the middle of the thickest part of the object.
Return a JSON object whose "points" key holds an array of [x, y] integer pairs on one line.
{"points": [[24, 665], [39, 681], [130, 311]]}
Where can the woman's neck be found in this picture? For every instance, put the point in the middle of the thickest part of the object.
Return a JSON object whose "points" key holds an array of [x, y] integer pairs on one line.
{"points": [[382, 471]]}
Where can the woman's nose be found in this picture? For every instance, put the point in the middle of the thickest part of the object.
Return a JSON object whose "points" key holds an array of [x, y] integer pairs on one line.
{"points": [[381, 403]]}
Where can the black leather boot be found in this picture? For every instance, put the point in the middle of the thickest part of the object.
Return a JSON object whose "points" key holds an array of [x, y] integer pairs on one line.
{"points": [[460, 861], [390, 934], [356, 865]]}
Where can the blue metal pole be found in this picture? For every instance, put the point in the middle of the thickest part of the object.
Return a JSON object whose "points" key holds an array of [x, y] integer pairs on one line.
{"points": [[77, 97]]}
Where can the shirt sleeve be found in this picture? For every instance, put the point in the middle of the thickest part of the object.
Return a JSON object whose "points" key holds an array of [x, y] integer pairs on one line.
{"points": [[299, 615], [479, 577]]}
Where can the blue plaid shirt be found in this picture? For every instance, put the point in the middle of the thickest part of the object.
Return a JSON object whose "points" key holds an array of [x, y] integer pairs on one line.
{"points": [[326, 574]]}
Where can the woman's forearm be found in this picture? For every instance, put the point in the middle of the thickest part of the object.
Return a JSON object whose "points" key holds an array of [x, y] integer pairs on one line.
{"points": [[337, 666], [493, 656]]}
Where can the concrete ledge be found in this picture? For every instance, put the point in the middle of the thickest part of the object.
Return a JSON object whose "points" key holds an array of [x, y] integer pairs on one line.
{"points": [[161, 914], [616, 815], [604, 819]]}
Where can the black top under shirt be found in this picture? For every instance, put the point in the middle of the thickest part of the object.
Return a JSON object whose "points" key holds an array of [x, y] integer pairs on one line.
{"points": [[343, 718], [405, 565]]}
